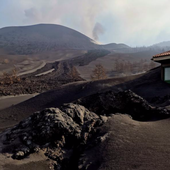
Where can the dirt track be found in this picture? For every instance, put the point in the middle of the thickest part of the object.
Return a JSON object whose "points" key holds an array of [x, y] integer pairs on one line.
{"points": [[9, 101]]}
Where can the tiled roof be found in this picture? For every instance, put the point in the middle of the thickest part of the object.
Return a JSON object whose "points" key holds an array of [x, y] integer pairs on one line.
{"points": [[162, 54]]}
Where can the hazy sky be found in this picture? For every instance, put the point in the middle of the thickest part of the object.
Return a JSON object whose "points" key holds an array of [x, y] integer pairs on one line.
{"points": [[134, 22]]}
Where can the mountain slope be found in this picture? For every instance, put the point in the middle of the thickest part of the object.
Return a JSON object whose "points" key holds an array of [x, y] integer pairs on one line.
{"points": [[42, 37], [47, 38]]}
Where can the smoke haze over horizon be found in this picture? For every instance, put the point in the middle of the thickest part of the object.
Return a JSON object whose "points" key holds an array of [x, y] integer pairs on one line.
{"points": [[135, 23]]}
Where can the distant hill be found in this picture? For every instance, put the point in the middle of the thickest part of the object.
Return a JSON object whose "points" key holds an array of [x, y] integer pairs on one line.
{"points": [[163, 46], [115, 46], [48, 37]]}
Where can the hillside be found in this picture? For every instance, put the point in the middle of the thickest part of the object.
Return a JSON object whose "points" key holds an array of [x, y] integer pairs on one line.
{"points": [[164, 44], [41, 38], [117, 47]]}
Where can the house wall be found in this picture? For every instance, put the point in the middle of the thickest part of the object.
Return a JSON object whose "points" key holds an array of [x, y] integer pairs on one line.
{"points": [[162, 72]]}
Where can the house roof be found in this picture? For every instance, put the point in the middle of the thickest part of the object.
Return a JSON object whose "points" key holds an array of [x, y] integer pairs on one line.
{"points": [[167, 53], [161, 57]]}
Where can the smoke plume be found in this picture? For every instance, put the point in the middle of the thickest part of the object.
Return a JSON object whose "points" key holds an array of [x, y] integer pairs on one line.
{"points": [[98, 30]]}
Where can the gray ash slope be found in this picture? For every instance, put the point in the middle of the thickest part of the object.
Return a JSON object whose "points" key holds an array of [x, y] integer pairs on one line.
{"points": [[150, 87], [129, 144]]}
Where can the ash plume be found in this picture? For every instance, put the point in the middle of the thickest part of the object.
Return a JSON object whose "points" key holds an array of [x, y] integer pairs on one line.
{"points": [[98, 30], [32, 14]]}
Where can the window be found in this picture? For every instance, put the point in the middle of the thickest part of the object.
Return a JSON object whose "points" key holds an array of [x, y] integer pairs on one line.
{"points": [[167, 74]]}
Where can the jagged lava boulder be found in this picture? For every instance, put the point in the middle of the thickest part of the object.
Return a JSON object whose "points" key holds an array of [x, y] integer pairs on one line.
{"points": [[58, 128]]}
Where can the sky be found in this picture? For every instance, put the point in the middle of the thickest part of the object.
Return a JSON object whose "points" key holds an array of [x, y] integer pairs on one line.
{"points": [[133, 22]]}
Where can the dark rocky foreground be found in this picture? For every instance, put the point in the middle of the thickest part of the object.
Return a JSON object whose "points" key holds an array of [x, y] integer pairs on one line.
{"points": [[64, 134], [60, 133]]}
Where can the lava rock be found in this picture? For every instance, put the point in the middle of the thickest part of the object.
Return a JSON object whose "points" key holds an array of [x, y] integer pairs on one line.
{"points": [[125, 102], [55, 130]]}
